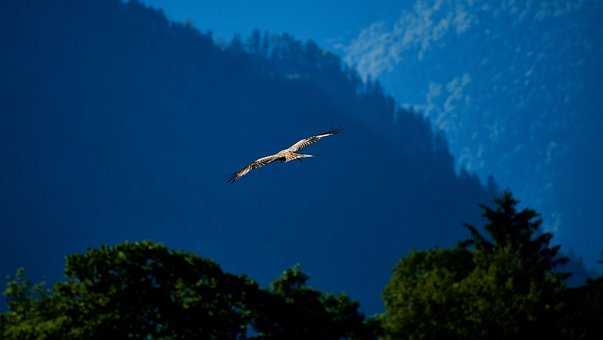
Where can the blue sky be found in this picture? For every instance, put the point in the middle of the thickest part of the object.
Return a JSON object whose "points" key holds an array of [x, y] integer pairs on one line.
{"points": [[323, 21]]}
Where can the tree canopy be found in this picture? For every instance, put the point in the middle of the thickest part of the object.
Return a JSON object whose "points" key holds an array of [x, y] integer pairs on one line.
{"points": [[498, 285], [502, 282], [143, 290]]}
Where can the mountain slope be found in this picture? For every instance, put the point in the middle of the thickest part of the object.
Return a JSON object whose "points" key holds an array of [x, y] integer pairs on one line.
{"points": [[514, 85]]}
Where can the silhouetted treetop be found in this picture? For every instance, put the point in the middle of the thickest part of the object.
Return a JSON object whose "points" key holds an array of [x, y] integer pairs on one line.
{"points": [[500, 285], [517, 230]]}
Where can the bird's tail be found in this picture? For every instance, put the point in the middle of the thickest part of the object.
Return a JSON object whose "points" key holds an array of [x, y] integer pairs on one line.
{"points": [[299, 157]]}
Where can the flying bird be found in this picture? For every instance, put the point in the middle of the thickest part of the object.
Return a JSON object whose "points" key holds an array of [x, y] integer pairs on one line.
{"points": [[289, 154]]}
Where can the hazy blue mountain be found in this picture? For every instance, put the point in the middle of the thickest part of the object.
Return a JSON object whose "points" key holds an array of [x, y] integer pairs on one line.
{"points": [[513, 85], [116, 124]]}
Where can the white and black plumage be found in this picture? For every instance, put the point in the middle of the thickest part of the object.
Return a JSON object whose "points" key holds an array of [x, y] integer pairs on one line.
{"points": [[289, 154]]}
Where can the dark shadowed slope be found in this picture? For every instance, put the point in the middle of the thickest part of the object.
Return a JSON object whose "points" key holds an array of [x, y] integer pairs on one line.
{"points": [[119, 125]]}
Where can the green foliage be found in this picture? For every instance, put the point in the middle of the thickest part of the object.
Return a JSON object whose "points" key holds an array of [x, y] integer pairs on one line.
{"points": [[133, 290], [421, 298], [495, 286], [519, 232], [515, 274], [31, 311], [501, 285], [294, 311], [500, 304], [145, 291]]}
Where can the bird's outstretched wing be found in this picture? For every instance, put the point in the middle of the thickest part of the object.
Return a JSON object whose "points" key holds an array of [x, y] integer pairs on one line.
{"points": [[311, 140], [253, 165]]}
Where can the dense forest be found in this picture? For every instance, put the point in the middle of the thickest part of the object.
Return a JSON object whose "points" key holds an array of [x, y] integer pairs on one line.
{"points": [[499, 284]]}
